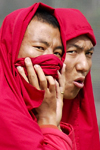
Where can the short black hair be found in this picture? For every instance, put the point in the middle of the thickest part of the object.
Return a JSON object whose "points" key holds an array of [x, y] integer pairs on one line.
{"points": [[45, 16]]}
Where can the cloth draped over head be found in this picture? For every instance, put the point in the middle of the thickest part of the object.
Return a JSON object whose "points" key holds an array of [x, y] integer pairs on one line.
{"points": [[80, 112], [19, 129], [11, 35]]}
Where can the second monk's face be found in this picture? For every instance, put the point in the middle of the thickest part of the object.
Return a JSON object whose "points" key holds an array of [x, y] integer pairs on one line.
{"points": [[78, 63]]}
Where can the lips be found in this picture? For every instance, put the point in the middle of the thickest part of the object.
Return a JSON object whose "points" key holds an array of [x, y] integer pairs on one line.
{"points": [[79, 82]]}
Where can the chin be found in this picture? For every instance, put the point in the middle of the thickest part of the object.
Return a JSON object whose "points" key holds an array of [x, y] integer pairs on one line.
{"points": [[70, 95]]}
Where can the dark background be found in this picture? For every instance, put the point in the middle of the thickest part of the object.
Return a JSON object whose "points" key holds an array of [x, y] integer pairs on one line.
{"points": [[91, 9]]}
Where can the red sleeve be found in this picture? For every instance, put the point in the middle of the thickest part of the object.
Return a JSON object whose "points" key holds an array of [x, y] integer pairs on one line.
{"points": [[57, 139], [68, 129], [19, 131]]}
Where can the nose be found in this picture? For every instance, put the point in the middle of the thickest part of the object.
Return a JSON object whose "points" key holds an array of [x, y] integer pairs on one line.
{"points": [[83, 64], [48, 51]]}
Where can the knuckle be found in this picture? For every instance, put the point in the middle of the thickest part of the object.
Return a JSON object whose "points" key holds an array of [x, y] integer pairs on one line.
{"points": [[43, 81], [52, 84], [31, 77]]}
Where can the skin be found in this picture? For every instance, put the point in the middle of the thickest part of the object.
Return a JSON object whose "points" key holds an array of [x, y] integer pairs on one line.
{"points": [[78, 63], [41, 38]]}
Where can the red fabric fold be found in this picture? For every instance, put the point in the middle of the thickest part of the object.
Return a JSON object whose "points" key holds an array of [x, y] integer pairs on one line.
{"points": [[50, 64], [75, 23]]}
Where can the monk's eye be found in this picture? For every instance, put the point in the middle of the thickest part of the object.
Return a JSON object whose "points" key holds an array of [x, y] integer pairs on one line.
{"points": [[71, 51], [39, 47]]}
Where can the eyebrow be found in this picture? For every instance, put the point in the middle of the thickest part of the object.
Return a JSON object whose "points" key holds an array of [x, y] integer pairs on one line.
{"points": [[77, 46], [60, 47], [41, 41], [80, 47]]}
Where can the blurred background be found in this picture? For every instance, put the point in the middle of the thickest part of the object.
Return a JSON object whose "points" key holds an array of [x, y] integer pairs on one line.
{"points": [[91, 9]]}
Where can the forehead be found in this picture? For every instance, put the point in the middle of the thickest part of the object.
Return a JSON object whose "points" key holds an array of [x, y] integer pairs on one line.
{"points": [[38, 26], [39, 32], [82, 41]]}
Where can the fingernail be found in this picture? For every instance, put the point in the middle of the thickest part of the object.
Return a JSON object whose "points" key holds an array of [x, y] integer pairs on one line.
{"points": [[27, 60], [19, 68], [58, 71], [36, 65], [64, 65]]}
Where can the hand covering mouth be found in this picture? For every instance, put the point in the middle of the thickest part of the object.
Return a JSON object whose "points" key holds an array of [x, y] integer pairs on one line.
{"points": [[50, 64]]}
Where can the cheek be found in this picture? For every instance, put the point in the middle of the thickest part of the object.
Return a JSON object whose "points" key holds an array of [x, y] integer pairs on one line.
{"points": [[89, 64], [69, 70], [28, 51], [68, 60], [31, 52], [69, 66], [68, 73], [23, 50]]}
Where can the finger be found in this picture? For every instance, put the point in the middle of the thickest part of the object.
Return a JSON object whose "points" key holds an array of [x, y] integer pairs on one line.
{"points": [[61, 77], [58, 92], [63, 69], [33, 79], [59, 104], [57, 88], [22, 73], [51, 83], [62, 74], [41, 77]]}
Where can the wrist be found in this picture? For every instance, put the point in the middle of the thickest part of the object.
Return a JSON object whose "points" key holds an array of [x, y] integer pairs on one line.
{"points": [[47, 121]]}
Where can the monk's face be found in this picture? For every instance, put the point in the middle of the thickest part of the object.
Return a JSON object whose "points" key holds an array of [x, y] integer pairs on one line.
{"points": [[78, 63], [41, 38]]}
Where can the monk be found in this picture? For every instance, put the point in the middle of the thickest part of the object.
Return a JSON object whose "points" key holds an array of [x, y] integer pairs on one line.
{"points": [[79, 108], [32, 45]]}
